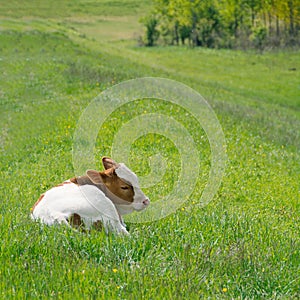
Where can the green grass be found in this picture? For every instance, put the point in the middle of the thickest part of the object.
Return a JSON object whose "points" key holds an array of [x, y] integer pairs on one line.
{"points": [[243, 245], [78, 8]]}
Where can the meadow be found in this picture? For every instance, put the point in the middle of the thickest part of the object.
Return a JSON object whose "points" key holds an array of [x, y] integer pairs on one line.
{"points": [[54, 59]]}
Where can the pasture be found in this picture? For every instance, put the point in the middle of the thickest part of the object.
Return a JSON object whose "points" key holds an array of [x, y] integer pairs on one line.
{"points": [[243, 245]]}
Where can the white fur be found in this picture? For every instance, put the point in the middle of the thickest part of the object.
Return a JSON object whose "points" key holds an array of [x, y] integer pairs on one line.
{"points": [[139, 197], [60, 202], [91, 203]]}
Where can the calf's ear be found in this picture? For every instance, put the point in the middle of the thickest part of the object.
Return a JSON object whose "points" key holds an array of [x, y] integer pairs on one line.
{"points": [[109, 163], [94, 176]]}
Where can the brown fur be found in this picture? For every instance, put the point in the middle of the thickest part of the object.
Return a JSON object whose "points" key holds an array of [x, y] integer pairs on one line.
{"points": [[76, 222], [118, 187], [111, 181]]}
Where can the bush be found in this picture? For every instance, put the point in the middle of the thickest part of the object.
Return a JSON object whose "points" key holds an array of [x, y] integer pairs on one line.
{"points": [[152, 34], [259, 37]]}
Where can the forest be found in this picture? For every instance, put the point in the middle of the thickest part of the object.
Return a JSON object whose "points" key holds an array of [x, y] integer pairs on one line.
{"points": [[239, 24]]}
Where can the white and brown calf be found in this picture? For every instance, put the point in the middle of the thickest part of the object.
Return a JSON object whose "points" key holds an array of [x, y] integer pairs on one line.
{"points": [[93, 199]]}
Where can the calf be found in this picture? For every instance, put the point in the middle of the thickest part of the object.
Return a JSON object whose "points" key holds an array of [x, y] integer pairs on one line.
{"points": [[93, 199]]}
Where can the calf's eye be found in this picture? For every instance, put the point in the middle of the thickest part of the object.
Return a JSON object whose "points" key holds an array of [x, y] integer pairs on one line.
{"points": [[124, 187]]}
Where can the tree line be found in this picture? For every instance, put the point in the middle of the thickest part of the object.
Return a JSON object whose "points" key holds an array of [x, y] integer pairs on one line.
{"points": [[224, 23]]}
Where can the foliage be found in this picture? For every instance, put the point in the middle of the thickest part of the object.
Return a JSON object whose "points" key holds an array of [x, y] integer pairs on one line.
{"points": [[259, 36], [230, 23], [152, 34]]}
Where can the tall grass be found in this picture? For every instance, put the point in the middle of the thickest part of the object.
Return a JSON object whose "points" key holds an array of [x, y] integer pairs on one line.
{"points": [[243, 245]]}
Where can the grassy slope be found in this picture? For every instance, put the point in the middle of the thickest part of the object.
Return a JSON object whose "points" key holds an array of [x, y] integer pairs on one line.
{"points": [[245, 241]]}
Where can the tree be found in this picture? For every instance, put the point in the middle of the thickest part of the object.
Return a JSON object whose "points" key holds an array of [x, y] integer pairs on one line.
{"points": [[225, 23], [152, 34]]}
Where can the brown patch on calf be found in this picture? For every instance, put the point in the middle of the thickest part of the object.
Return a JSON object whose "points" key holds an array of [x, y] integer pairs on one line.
{"points": [[118, 187], [74, 180], [107, 179], [98, 225], [112, 182], [76, 222], [82, 180]]}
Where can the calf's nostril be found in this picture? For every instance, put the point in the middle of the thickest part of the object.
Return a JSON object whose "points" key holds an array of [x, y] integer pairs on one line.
{"points": [[146, 202]]}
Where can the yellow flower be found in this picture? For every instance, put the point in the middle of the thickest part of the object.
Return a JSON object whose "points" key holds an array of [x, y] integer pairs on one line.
{"points": [[115, 270], [224, 289], [182, 208]]}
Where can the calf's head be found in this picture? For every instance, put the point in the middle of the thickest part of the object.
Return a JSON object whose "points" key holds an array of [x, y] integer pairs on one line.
{"points": [[122, 186]]}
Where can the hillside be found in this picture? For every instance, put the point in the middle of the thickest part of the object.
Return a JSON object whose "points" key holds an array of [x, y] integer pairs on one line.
{"points": [[54, 60]]}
